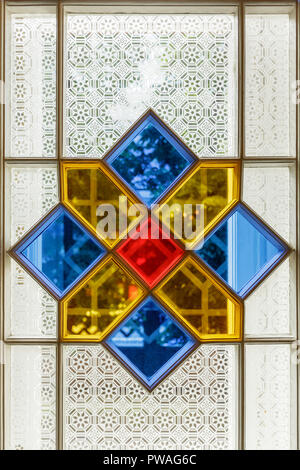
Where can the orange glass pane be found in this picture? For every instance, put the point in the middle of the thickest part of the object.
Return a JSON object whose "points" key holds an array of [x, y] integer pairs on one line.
{"points": [[203, 304], [85, 187], [214, 186], [99, 302]]}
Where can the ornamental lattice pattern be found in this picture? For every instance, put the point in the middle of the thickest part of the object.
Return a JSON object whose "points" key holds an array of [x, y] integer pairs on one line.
{"points": [[270, 192], [183, 67], [268, 130], [31, 384], [270, 310], [31, 95], [32, 310], [106, 408], [270, 386]]}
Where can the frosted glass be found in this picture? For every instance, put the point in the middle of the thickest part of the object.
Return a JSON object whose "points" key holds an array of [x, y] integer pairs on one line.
{"points": [[31, 83], [270, 75], [193, 408], [270, 396], [30, 407], [30, 193], [182, 66], [270, 191]]}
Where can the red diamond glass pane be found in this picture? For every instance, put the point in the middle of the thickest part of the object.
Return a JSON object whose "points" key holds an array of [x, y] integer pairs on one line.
{"points": [[150, 251]]}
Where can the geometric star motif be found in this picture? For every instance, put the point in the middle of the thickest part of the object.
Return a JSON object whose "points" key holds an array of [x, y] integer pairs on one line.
{"points": [[150, 326]]}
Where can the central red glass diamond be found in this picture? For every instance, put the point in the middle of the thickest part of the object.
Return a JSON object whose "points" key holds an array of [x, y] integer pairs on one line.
{"points": [[150, 251]]}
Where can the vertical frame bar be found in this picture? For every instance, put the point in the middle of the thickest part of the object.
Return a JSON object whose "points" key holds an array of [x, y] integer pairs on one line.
{"points": [[268, 162], [297, 216], [28, 162], [2, 128], [59, 155], [241, 150]]}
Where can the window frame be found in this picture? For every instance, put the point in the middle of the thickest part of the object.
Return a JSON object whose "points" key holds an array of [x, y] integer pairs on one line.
{"points": [[63, 7]]}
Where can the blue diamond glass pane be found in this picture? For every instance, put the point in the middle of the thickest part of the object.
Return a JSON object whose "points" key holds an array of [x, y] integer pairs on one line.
{"points": [[242, 250], [150, 342], [150, 160], [59, 251]]}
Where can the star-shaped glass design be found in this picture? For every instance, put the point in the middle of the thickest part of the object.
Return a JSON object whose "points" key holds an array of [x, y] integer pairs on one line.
{"points": [[242, 250], [59, 251], [154, 295], [150, 342]]}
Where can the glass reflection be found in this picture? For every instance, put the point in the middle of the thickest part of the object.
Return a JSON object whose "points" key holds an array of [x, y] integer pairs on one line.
{"points": [[202, 304], [241, 250], [87, 188], [150, 342], [62, 251], [150, 163], [214, 188], [100, 302], [151, 258]]}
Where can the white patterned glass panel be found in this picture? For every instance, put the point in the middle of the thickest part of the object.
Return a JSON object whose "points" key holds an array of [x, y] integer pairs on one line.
{"points": [[30, 84], [270, 191], [270, 311], [270, 397], [182, 66], [31, 193], [30, 408], [106, 408], [270, 75]]}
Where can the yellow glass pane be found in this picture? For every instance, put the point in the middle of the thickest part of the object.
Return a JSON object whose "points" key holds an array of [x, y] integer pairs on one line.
{"points": [[203, 304], [99, 302], [215, 186], [85, 187]]}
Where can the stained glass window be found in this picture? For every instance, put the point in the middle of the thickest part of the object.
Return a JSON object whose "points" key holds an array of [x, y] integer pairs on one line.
{"points": [[193, 294], [86, 186], [151, 258], [151, 160], [58, 252], [241, 250], [99, 301], [150, 226], [213, 185], [150, 342]]}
